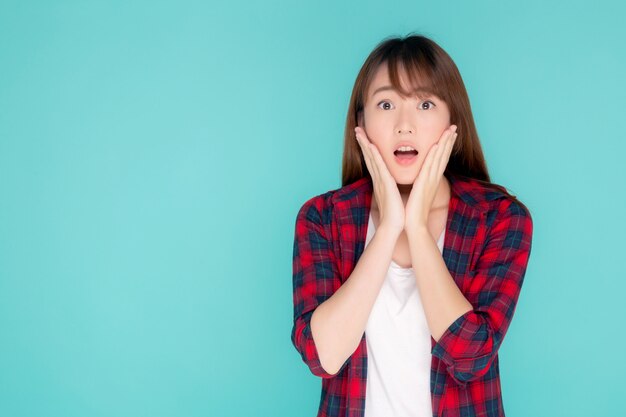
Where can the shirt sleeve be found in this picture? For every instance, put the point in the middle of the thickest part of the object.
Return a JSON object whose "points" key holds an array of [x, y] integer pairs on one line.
{"points": [[315, 279], [470, 343]]}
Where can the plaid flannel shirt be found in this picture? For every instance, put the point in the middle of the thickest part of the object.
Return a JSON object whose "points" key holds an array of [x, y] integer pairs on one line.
{"points": [[486, 250]]}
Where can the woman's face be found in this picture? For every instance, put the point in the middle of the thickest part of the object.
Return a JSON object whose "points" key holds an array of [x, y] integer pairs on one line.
{"points": [[390, 120]]}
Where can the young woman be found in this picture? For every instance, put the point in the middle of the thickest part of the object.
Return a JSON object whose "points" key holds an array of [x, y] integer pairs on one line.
{"points": [[405, 279]]}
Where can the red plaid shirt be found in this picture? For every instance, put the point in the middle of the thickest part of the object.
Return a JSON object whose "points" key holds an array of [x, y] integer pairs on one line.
{"points": [[486, 249]]}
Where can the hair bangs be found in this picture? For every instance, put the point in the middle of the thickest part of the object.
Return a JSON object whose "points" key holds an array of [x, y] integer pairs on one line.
{"points": [[418, 68]]}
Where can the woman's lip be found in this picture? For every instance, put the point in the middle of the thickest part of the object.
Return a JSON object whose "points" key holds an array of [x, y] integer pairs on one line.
{"points": [[405, 161], [401, 144]]}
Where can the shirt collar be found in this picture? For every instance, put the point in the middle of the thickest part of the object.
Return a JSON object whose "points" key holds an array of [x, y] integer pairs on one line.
{"points": [[464, 191]]}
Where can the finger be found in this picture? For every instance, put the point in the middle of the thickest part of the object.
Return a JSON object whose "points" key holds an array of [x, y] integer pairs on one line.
{"points": [[436, 163], [369, 149], [371, 167], [443, 153], [364, 151], [448, 152], [364, 143], [369, 160], [367, 155], [382, 173], [375, 169], [376, 159], [382, 167], [438, 151], [448, 132], [451, 144], [428, 162], [440, 157]]}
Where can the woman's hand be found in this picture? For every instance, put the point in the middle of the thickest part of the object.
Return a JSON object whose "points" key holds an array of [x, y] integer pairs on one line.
{"points": [[427, 181], [386, 193]]}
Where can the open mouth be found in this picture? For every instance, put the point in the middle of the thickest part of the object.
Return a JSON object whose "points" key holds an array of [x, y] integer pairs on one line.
{"points": [[406, 157], [405, 154]]}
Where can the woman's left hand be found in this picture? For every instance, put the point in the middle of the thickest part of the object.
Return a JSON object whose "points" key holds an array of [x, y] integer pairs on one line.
{"points": [[425, 186]]}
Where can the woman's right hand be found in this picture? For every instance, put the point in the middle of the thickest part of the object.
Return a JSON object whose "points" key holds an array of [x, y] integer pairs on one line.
{"points": [[386, 193]]}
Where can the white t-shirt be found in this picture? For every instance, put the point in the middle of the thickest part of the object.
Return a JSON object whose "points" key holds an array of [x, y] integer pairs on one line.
{"points": [[398, 346]]}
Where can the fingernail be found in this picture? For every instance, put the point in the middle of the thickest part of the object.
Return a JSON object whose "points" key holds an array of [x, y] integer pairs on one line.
{"points": [[454, 128]]}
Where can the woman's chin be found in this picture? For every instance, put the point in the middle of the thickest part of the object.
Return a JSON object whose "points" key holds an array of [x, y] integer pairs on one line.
{"points": [[405, 179], [408, 174]]}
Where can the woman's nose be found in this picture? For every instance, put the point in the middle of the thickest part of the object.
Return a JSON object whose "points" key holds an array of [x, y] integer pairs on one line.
{"points": [[405, 121]]}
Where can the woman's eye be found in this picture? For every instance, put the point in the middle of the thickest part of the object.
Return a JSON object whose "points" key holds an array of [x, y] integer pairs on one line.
{"points": [[387, 105], [384, 102], [429, 107]]}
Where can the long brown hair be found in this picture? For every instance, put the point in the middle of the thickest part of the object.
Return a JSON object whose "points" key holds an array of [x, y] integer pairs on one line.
{"points": [[428, 63]]}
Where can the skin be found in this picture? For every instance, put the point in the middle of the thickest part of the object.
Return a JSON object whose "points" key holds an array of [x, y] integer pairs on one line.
{"points": [[405, 196], [412, 203], [388, 120]]}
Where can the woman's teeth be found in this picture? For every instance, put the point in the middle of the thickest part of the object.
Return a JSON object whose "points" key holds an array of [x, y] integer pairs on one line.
{"points": [[405, 155]]}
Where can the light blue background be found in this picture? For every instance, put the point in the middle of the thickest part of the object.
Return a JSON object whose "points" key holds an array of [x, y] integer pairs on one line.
{"points": [[154, 154]]}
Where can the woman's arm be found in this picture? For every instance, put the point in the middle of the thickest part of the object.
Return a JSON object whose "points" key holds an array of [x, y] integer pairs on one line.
{"points": [[469, 342], [330, 317], [338, 323], [442, 299]]}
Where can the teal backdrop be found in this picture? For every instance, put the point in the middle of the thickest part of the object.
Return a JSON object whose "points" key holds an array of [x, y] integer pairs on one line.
{"points": [[154, 154]]}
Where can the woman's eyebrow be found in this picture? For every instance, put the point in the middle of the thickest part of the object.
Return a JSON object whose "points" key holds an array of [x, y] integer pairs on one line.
{"points": [[383, 88], [422, 90]]}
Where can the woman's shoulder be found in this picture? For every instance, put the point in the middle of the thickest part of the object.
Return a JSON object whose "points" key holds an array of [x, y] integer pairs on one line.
{"points": [[505, 216], [491, 196], [319, 207], [343, 193]]}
